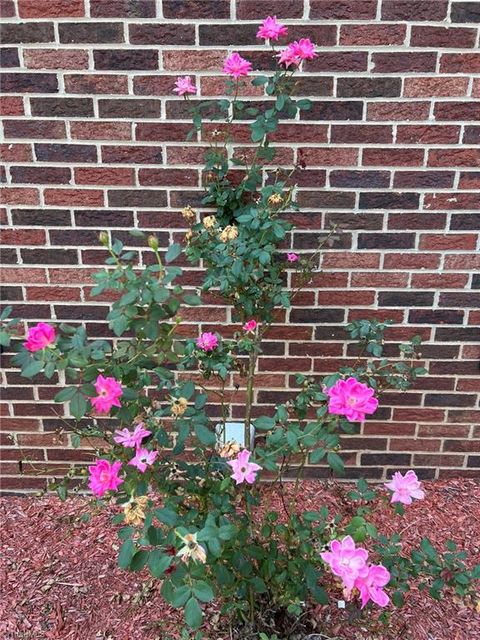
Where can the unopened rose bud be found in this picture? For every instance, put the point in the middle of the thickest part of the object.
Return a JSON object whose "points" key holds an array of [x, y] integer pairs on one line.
{"points": [[104, 239], [153, 242]]}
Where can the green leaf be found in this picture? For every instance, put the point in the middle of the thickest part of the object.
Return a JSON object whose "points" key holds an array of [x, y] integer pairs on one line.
{"points": [[65, 394], [398, 599], [203, 591], [166, 515], [180, 596], [126, 554], [264, 423], [4, 339], [192, 299], [335, 463], [205, 435], [78, 405], [32, 368], [139, 560], [6, 312], [259, 80], [158, 563], [174, 250], [193, 614]]}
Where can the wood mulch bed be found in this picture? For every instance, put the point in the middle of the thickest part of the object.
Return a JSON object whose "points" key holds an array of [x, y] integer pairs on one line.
{"points": [[60, 579]]}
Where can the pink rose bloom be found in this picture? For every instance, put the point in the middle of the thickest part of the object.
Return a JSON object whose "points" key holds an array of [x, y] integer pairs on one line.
{"points": [[292, 257], [236, 66], [243, 470], [104, 477], [370, 583], [143, 458], [184, 85], [129, 439], [304, 49], [271, 29], [250, 326], [352, 399], [289, 56], [207, 341], [345, 560], [39, 337], [405, 487], [109, 391]]}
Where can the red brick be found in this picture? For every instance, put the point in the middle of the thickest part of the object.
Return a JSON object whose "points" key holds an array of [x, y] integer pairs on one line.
{"points": [[18, 274], [54, 294], [252, 9], [462, 262], [379, 280], [411, 261], [439, 280], [51, 8], [453, 201], [454, 157], [153, 177], [372, 34], [392, 111], [416, 87], [469, 180], [11, 106], [414, 10], [324, 157], [450, 37], [344, 260], [77, 197], [460, 63], [34, 129], [404, 62], [343, 9], [56, 59], [448, 242], [101, 130], [23, 236], [104, 176], [193, 60], [152, 131], [457, 111], [19, 195], [428, 134], [97, 83], [385, 156]]}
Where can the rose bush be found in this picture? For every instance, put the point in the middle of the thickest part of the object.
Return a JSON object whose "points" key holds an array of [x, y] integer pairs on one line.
{"points": [[191, 507]]}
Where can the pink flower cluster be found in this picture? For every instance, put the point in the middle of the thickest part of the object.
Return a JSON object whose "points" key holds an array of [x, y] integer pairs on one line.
{"points": [[250, 326], [271, 29], [39, 337], [352, 399], [296, 52], [109, 391], [184, 86], [405, 488], [236, 66], [207, 341], [350, 564], [243, 470], [143, 457], [104, 477]]}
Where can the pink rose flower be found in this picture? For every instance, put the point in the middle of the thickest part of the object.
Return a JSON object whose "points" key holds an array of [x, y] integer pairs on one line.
{"points": [[129, 439], [271, 29], [405, 488], [370, 583], [250, 326], [243, 470], [184, 85], [109, 391], [143, 458], [345, 560], [292, 257], [304, 49], [352, 399], [207, 341], [236, 66], [104, 477], [289, 56], [39, 337]]}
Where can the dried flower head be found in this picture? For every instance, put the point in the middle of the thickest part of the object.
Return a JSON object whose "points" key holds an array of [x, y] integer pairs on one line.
{"points": [[229, 449], [179, 406], [188, 235], [188, 214], [229, 233], [134, 511], [209, 222], [275, 199], [192, 549]]}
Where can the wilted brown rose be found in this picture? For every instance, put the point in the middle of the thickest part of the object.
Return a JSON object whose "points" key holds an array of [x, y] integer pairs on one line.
{"points": [[135, 510], [179, 406], [209, 222], [229, 233]]}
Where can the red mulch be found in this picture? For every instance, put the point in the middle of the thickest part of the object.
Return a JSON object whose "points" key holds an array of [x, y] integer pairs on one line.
{"points": [[60, 579]]}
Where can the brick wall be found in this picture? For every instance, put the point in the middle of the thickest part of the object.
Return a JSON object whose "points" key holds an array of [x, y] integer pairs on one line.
{"points": [[94, 139]]}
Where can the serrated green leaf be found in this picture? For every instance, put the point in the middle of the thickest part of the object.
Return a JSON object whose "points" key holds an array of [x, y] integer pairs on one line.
{"points": [[174, 250], [193, 613]]}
